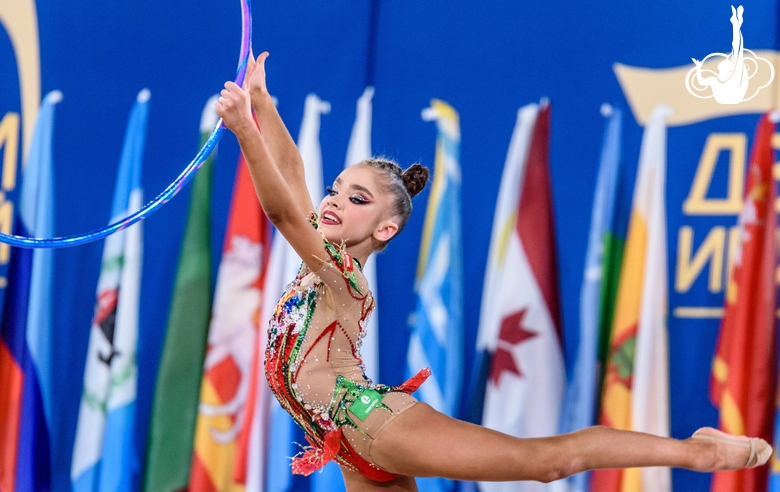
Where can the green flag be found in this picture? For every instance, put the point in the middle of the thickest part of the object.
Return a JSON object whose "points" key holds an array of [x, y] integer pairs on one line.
{"points": [[175, 406]]}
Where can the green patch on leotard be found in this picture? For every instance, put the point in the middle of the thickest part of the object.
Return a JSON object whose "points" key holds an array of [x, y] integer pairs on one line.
{"points": [[347, 394], [367, 401]]}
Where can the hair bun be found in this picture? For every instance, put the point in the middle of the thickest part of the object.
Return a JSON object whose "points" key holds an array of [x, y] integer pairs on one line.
{"points": [[415, 177]]}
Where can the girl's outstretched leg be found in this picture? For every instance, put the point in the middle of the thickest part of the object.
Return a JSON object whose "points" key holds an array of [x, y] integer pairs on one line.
{"points": [[423, 442]]}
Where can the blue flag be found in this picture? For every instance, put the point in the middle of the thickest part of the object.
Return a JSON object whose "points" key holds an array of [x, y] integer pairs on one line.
{"points": [[579, 410], [774, 462], [26, 323], [104, 455], [437, 331]]}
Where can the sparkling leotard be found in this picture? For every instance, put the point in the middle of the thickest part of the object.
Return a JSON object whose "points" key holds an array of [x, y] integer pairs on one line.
{"points": [[314, 368]]}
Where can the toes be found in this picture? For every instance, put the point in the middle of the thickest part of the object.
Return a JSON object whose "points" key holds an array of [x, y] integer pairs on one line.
{"points": [[763, 452]]}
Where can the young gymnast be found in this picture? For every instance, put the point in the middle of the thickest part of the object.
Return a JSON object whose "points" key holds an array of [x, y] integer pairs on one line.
{"points": [[380, 435]]}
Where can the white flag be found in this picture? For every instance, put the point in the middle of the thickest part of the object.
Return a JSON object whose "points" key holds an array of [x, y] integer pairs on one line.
{"points": [[650, 395], [359, 150], [283, 266]]}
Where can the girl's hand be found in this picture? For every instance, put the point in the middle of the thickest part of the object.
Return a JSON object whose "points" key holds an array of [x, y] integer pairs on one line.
{"points": [[234, 107], [255, 75]]}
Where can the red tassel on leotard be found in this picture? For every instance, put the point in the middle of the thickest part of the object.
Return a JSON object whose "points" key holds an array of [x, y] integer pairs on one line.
{"points": [[315, 457], [410, 385]]}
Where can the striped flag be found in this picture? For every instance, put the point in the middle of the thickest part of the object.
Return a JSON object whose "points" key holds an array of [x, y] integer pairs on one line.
{"points": [[527, 374], [175, 406], [744, 369], [26, 413], [636, 386], [104, 455], [579, 409], [437, 331], [284, 266]]}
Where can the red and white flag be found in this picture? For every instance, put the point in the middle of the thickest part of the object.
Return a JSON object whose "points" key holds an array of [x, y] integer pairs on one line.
{"points": [[520, 325], [227, 371]]}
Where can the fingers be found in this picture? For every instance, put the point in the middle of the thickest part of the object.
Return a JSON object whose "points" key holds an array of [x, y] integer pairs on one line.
{"points": [[231, 93], [250, 64], [233, 106], [261, 58], [250, 67], [232, 87], [256, 80]]}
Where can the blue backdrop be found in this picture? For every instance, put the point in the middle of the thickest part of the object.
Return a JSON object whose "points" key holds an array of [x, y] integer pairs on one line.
{"points": [[485, 58]]}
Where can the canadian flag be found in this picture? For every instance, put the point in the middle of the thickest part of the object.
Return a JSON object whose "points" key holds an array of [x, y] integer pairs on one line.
{"points": [[520, 324]]}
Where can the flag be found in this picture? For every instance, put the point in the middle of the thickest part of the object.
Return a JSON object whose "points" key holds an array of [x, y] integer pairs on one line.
{"points": [[527, 375], [252, 440], [636, 387], [504, 220], [329, 479], [437, 329], [359, 149], [249, 467], [26, 413], [104, 455], [231, 338], [744, 369], [579, 409], [175, 405]]}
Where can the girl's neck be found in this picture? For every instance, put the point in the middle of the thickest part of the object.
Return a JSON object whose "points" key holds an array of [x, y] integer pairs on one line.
{"points": [[360, 259], [359, 254]]}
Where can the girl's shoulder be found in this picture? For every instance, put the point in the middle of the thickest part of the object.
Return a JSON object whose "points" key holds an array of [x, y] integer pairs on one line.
{"points": [[340, 264], [340, 271]]}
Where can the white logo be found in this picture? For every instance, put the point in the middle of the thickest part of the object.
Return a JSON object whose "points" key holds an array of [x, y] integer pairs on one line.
{"points": [[730, 84], [365, 400]]}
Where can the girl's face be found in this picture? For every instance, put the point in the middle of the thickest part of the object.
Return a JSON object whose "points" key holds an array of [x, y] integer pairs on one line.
{"points": [[355, 209]]}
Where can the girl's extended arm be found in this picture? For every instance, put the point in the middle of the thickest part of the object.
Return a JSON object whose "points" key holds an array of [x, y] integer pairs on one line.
{"points": [[280, 144], [276, 196]]}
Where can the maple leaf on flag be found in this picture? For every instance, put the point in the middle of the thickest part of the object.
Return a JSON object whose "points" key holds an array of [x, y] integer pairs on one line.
{"points": [[512, 333]]}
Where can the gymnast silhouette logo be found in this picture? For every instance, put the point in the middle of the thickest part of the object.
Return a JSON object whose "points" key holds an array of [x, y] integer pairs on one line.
{"points": [[731, 83]]}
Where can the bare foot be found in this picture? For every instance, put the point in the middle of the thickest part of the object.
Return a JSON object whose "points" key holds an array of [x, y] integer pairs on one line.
{"points": [[723, 451]]}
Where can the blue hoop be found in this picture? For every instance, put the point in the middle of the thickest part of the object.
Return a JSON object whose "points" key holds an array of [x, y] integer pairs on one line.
{"points": [[173, 188]]}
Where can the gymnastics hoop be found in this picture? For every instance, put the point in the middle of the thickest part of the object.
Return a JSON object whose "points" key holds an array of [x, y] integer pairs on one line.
{"points": [[172, 189]]}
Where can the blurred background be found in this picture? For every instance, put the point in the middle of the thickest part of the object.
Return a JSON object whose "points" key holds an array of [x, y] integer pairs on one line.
{"points": [[486, 61]]}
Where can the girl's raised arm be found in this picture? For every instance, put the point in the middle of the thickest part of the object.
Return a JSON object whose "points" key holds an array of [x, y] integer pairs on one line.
{"points": [[280, 144], [277, 197]]}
